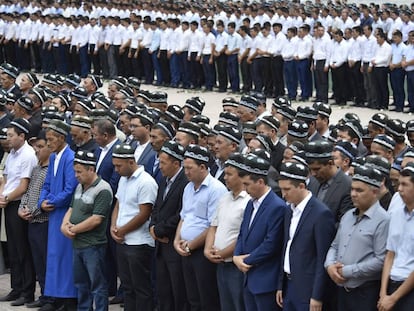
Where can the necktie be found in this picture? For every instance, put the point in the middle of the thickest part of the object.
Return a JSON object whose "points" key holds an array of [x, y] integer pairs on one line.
{"points": [[167, 188]]}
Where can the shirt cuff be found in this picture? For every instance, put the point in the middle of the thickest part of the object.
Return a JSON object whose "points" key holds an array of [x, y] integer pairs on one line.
{"points": [[347, 271]]}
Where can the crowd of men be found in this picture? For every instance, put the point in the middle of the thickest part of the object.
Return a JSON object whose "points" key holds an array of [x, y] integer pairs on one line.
{"points": [[230, 47], [271, 208]]}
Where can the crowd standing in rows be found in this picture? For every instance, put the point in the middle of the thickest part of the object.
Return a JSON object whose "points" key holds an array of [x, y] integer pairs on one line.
{"points": [[271, 208]]}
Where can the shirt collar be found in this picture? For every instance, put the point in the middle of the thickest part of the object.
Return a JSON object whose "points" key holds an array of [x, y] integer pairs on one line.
{"points": [[369, 212], [172, 179], [18, 151], [301, 206], [241, 195], [261, 199], [109, 146], [59, 154], [137, 172]]}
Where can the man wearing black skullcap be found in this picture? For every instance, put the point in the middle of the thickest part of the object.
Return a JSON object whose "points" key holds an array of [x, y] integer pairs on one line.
{"points": [[309, 229], [353, 262]]}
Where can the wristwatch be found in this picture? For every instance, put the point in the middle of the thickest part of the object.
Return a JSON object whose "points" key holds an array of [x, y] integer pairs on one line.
{"points": [[6, 199]]}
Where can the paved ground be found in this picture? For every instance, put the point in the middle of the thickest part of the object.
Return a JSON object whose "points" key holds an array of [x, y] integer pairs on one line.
{"points": [[212, 109]]}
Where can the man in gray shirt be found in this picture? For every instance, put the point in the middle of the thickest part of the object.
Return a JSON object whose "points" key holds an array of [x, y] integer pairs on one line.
{"points": [[356, 256]]}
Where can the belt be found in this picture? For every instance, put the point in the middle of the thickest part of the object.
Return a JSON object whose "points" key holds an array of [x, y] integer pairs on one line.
{"points": [[364, 285]]}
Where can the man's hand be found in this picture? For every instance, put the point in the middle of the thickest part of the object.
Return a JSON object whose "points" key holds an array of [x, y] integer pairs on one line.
{"points": [[164, 240], [24, 213], [66, 230], [239, 262], [386, 303], [279, 298], [46, 206], [180, 247], [212, 255], [315, 305], [335, 273], [118, 238]]}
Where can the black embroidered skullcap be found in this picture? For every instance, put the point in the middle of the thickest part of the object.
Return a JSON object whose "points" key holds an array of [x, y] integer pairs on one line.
{"points": [[159, 97], [127, 92], [22, 124], [270, 121], [200, 118], [355, 127], [51, 79], [379, 162], [265, 141], [133, 83], [300, 157], [189, 128], [380, 119], [96, 80], [146, 115], [32, 78], [358, 161], [323, 109], [46, 109], [229, 118], [197, 152], [205, 129], [298, 129], [11, 97], [194, 104], [86, 104], [98, 114], [281, 100], [320, 149], [26, 103], [347, 148], [306, 113], [112, 115], [385, 141], [235, 160], [82, 121], [131, 110], [73, 80], [119, 81], [3, 133], [287, 111], [368, 175], [60, 80], [85, 158], [175, 113], [230, 101], [294, 171], [144, 94], [410, 126], [173, 149], [3, 99], [261, 98], [249, 102], [261, 153], [231, 133], [39, 93], [79, 93], [103, 101], [10, 70], [167, 128], [395, 127], [249, 127], [123, 151], [60, 127], [255, 165], [50, 94], [217, 128], [296, 146], [349, 117], [64, 99]]}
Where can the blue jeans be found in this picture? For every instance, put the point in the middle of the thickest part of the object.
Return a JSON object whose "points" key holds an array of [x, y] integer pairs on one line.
{"points": [[175, 69], [410, 88], [230, 285], [397, 78], [89, 277], [233, 70], [157, 67], [291, 78], [305, 77], [209, 73]]}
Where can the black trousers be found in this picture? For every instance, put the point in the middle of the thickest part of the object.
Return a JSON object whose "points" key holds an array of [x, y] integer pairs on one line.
{"points": [[21, 264], [406, 303], [94, 59], [321, 81], [148, 66], [380, 82], [246, 73], [103, 62], [10, 52], [357, 83], [266, 72], [170, 279], [136, 68], [221, 64], [196, 71], [277, 76], [339, 80], [74, 56], [134, 266], [165, 66], [362, 298], [200, 282]]}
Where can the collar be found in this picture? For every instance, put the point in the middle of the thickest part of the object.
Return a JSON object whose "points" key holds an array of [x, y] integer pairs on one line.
{"points": [[109, 146], [243, 194], [18, 151], [59, 154], [137, 172], [261, 199], [301, 206], [172, 179], [369, 212]]}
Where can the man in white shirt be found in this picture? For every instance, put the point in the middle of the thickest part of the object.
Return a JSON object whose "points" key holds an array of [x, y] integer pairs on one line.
{"points": [[368, 50], [194, 56], [93, 48], [408, 64], [234, 41], [289, 65], [279, 41], [338, 63], [220, 57], [397, 73], [302, 58], [321, 54], [244, 51], [356, 79]]}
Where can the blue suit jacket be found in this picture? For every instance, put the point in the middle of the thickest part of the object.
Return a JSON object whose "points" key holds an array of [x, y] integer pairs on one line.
{"points": [[312, 239], [146, 155], [264, 242], [106, 169], [149, 168]]}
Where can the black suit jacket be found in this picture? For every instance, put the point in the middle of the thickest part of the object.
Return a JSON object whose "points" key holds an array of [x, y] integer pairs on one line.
{"points": [[276, 156], [166, 212]]}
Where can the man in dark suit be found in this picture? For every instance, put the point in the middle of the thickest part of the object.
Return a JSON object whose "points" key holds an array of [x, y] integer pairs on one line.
{"points": [[259, 245], [334, 186], [141, 124], [164, 220], [105, 136], [309, 229]]}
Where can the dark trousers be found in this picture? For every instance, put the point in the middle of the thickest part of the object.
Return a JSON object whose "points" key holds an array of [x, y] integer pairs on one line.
{"points": [[321, 81], [84, 61], [246, 73], [410, 89], [196, 71], [10, 52], [260, 302], [113, 54], [184, 66], [233, 70], [368, 85], [135, 265], [291, 300], [111, 264], [74, 56], [148, 67], [209, 73], [291, 78], [24, 60], [266, 71], [397, 79], [406, 303], [221, 65], [175, 70], [169, 279], [305, 77], [57, 58], [165, 66], [124, 67], [356, 81], [35, 57], [94, 59], [21, 265], [103, 60], [200, 282], [277, 76], [362, 298], [37, 233], [136, 68], [63, 66], [257, 75], [380, 82], [157, 67], [339, 82], [48, 64], [230, 282]]}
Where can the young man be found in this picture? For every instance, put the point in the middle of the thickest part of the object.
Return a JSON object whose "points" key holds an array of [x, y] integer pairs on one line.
{"points": [[85, 223], [259, 244], [353, 262], [222, 236], [309, 230], [397, 282], [136, 194], [57, 191], [17, 173], [200, 198]]}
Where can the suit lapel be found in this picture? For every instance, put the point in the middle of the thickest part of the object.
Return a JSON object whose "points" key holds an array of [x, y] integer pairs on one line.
{"points": [[174, 185], [303, 217], [260, 210]]}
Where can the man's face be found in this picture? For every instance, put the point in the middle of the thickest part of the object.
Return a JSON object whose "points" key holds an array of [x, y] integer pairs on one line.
{"points": [[124, 123], [82, 173], [15, 140], [339, 160], [320, 171], [89, 85], [166, 165], [223, 148], [252, 187], [112, 91], [79, 111], [377, 149], [290, 192], [138, 131], [157, 139], [362, 195], [54, 141], [6, 81], [192, 170], [123, 166], [182, 138], [41, 149], [265, 130], [406, 189], [101, 139], [232, 178], [78, 135]]}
